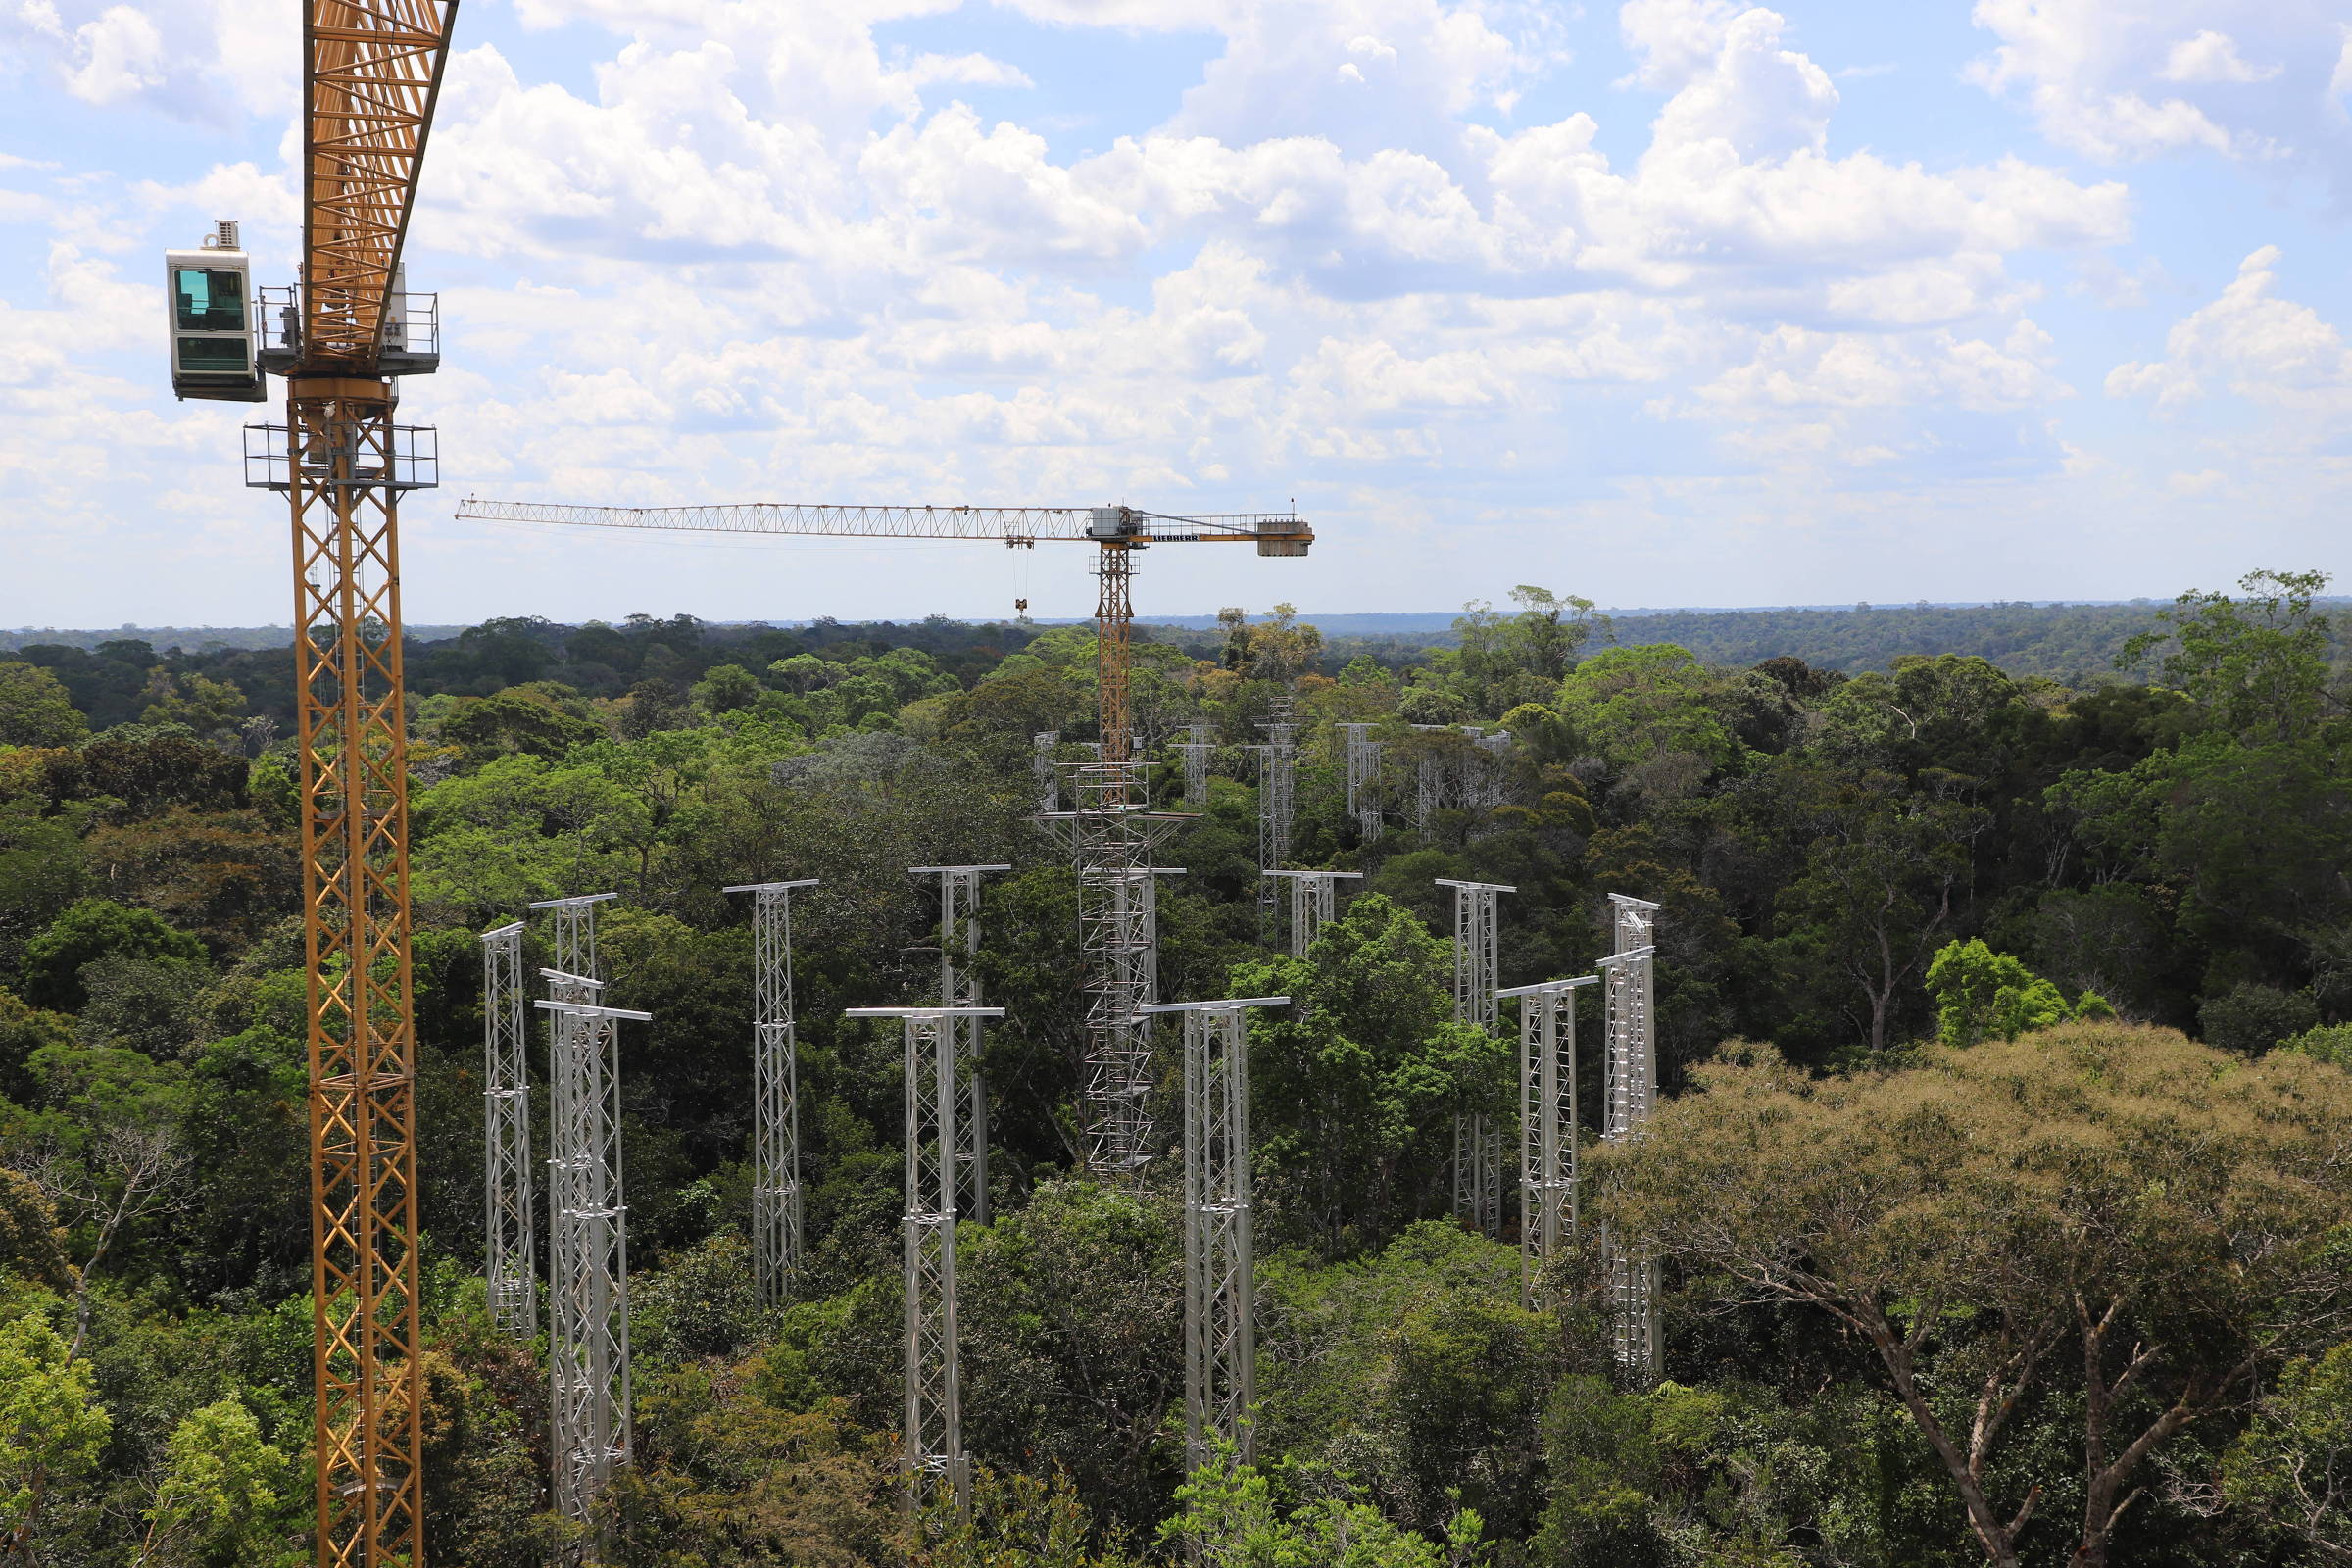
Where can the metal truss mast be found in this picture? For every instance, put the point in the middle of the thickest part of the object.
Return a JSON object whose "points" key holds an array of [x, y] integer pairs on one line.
{"points": [[588, 1301], [511, 1265], [1548, 1206], [1629, 1096], [1315, 899], [933, 1427], [776, 1244], [1220, 1289], [960, 988], [1477, 970]]}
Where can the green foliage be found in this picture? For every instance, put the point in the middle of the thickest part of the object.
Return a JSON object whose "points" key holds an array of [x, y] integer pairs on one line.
{"points": [[2331, 1043], [1353, 1085], [227, 1498], [32, 1244], [36, 709], [2251, 1017], [90, 930], [1983, 994], [2259, 667], [1230, 1518], [2292, 1467], [52, 1426]]}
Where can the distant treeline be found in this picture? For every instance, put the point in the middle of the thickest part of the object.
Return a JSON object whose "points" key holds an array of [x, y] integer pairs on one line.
{"points": [[2073, 643]]}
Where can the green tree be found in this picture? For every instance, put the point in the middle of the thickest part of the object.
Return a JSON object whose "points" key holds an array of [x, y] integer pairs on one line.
{"points": [[36, 709], [2293, 1468], [1983, 994], [208, 707], [1354, 1086], [227, 1498], [93, 929], [1230, 1520], [52, 1426], [32, 1244], [2161, 1216], [2258, 665]]}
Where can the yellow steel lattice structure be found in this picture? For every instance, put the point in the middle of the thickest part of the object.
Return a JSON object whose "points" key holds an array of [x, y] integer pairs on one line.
{"points": [[372, 69]]}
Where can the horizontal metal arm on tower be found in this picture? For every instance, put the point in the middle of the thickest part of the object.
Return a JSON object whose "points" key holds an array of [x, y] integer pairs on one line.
{"points": [[1011, 525]]}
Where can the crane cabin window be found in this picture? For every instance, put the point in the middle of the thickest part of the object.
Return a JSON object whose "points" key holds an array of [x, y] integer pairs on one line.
{"points": [[213, 355], [209, 299]]}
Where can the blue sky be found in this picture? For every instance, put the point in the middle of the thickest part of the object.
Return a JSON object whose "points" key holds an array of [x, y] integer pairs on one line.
{"points": [[1671, 302]]}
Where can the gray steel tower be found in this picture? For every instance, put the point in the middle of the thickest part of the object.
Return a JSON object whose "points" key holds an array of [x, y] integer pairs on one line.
{"points": [[776, 1246], [933, 1425], [1548, 1208], [1364, 779], [1477, 969], [1629, 1096], [510, 1268], [1315, 899], [588, 1296], [960, 987], [1195, 750], [1220, 1281]]}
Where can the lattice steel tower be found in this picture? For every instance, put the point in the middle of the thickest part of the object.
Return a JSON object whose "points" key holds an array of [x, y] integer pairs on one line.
{"points": [[1194, 749], [933, 1424], [1477, 970], [510, 1268], [776, 1246], [1629, 1096], [1547, 1121], [1364, 779], [960, 987], [1315, 899], [1220, 1281], [588, 1296], [1041, 764]]}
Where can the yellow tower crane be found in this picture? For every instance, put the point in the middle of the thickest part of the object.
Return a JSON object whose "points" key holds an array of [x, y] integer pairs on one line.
{"points": [[1117, 532], [371, 70]]}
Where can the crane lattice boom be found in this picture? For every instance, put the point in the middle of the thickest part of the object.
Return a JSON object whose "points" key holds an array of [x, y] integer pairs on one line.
{"points": [[1011, 524]]}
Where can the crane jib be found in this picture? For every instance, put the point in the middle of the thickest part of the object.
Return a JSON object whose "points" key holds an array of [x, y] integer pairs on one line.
{"points": [[1010, 524]]}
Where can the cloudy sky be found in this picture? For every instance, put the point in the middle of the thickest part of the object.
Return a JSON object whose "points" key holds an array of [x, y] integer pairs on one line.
{"points": [[1669, 303]]}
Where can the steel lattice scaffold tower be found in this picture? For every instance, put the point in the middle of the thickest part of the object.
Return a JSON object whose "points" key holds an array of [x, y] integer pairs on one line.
{"points": [[933, 1427], [960, 988], [1315, 899], [1277, 783], [1364, 779], [1220, 1281], [511, 1264], [1548, 1206], [1476, 970], [1049, 779], [776, 1250], [1629, 1096], [1194, 749], [588, 1296]]}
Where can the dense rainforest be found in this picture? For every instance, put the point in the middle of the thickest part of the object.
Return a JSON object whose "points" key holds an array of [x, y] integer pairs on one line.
{"points": [[2001, 1194]]}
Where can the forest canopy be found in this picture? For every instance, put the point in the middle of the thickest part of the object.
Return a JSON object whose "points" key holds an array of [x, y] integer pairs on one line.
{"points": [[2004, 1010]]}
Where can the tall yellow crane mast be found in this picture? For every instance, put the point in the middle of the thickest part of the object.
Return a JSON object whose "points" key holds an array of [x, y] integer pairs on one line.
{"points": [[371, 70], [1116, 531]]}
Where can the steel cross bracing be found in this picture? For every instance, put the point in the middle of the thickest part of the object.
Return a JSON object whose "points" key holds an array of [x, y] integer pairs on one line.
{"points": [[1485, 793], [1195, 750], [933, 1425], [1363, 780], [1476, 970], [588, 1298], [1111, 842], [1220, 1291], [776, 1243], [960, 987], [573, 941], [510, 1266], [1629, 1096], [1547, 1123], [1315, 899]]}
